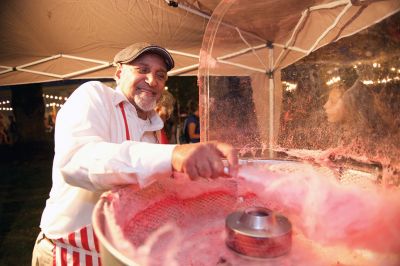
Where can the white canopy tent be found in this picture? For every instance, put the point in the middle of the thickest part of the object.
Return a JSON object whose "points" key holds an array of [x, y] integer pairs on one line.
{"points": [[45, 40]]}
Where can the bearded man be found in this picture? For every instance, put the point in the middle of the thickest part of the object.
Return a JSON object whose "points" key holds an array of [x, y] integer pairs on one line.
{"points": [[105, 138]]}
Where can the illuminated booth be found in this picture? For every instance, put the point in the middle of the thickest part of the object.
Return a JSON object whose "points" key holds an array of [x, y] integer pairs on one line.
{"points": [[316, 128]]}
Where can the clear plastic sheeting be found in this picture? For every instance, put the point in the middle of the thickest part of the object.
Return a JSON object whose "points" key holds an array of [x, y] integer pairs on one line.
{"points": [[311, 93]]}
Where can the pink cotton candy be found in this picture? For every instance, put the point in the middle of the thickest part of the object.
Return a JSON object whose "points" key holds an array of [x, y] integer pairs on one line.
{"points": [[181, 222], [329, 212]]}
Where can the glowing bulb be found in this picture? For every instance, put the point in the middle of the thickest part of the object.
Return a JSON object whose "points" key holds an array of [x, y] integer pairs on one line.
{"points": [[368, 82]]}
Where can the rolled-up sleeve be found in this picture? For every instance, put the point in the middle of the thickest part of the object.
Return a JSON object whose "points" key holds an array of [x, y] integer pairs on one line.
{"points": [[85, 155]]}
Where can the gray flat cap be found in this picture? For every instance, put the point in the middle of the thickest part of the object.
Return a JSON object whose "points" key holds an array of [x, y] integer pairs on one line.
{"points": [[133, 51]]}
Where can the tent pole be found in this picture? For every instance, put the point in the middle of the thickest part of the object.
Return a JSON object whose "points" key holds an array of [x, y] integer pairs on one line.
{"points": [[243, 51], [207, 16], [8, 69], [341, 14], [241, 66], [84, 59], [304, 14], [271, 99], [330, 5], [252, 49], [183, 70], [183, 53], [39, 61], [77, 73], [40, 73]]}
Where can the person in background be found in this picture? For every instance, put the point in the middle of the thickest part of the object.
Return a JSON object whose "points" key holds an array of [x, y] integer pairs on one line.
{"points": [[192, 123], [12, 130], [164, 108], [3, 130], [353, 109], [105, 138], [49, 124], [365, 134]]}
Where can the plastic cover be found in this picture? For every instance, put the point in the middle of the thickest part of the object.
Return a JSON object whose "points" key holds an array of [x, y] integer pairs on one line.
{"points": [[261, 92]]}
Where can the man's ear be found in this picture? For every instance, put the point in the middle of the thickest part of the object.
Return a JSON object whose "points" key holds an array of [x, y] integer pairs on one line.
{"points": [[118, 72]]}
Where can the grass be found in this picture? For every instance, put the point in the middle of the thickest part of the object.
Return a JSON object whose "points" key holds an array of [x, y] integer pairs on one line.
{"points": [[25, 182]]}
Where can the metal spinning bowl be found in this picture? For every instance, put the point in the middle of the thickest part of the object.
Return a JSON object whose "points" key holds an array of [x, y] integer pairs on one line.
{"points": [[258, 232]]}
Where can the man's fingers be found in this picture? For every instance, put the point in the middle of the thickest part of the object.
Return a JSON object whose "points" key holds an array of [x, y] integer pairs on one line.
{"points": [[204, 168], [228, 152], [192, 172], [203, 159], [216, 165]]}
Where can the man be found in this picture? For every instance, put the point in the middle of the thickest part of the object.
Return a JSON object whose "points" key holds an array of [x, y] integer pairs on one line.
{"points": [[105, 138]]}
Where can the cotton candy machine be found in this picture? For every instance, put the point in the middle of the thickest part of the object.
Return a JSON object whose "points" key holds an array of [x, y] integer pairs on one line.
{"points": [[226, 221], [315, 187]]}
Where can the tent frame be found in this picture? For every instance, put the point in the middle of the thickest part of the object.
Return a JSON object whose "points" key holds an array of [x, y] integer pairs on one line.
{"points": [[221, 59]]}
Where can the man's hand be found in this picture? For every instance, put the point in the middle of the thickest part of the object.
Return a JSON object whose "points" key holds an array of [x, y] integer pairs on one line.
{"points": [[204, 159]]}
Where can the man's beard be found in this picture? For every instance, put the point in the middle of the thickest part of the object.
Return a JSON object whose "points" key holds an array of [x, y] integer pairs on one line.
{"points": [[145, 103]]}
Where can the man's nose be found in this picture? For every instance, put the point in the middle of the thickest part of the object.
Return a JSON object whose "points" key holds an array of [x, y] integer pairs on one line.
{"points": [[151, 79]]}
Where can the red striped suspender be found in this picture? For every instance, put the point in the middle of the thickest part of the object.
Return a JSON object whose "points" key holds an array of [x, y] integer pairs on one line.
{"points": [[121, 106]]}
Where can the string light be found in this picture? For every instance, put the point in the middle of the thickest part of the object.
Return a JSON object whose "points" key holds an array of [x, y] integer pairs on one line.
{"points": [[54, 104], [380, 73], [376, 65], [4, 103], [4, 106], [380, 81], [333, 80], [54, 97]]}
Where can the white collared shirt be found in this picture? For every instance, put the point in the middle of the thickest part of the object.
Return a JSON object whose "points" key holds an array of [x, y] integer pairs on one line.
{"points": [[92, 155]]}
